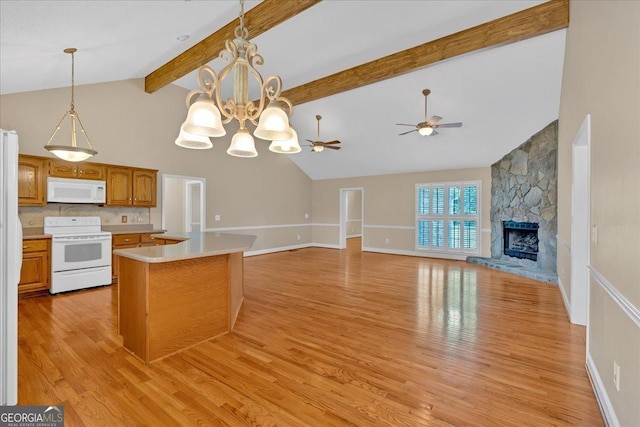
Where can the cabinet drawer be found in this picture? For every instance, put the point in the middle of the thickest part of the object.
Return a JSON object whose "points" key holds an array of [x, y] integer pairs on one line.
{"points": [[34, 245], [146, 238], [125, 239]]}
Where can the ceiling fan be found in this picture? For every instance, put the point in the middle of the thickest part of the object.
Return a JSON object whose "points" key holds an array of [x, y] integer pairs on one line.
{"points": [[428, 127], [318, 146]]}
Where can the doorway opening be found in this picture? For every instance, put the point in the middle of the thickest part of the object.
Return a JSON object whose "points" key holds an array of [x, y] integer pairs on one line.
{"points": [[183, 203], [351, 218], [580, 224]]}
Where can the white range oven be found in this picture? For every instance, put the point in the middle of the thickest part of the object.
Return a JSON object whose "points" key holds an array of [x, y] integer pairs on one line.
{"points": [[80, 253]]}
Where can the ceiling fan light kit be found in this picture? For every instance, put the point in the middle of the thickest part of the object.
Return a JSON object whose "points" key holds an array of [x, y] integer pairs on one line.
{"points": [[208, 114], [429, 126], [319, 146], [71, 153]]}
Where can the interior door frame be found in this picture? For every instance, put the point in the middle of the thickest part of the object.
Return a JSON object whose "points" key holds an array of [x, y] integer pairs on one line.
{"points": [[203, 197], [342, 242], [580, 223]]}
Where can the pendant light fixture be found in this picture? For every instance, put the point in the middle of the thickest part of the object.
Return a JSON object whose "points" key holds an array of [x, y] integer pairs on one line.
{"points": [[71, 153], [208, 113]]}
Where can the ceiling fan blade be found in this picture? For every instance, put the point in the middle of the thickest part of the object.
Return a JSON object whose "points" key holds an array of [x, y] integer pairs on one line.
{"points": [[451, 125], [434, 119], [434, 133], [331, 142], [404, 133], [404, 124], [332, 147]]}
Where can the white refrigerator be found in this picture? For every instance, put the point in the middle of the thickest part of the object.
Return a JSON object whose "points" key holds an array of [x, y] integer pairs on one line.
{"points": [[10, 264]]}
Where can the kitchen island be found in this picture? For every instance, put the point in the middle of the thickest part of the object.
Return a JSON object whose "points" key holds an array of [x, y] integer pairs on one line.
{"points": [[175, 296]]}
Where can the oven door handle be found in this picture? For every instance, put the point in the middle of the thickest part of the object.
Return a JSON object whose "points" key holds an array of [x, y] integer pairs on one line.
{"points": [[80, 240], [80, 272]]}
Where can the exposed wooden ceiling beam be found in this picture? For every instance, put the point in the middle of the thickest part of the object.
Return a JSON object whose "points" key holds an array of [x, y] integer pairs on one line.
{"points": [[261, 18], [532, 22]]}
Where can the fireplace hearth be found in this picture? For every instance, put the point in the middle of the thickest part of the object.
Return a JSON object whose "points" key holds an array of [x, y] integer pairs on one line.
{"points": [[521, 239]]}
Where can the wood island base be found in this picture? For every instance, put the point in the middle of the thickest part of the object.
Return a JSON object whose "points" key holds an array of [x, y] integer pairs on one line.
{"points": [[166, 307]]}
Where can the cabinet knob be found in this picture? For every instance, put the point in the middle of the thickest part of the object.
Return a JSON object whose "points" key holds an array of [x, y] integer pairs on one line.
{"points": [[25, 247]]}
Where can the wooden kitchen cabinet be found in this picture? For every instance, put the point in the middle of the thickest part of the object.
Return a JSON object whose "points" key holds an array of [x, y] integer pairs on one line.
{"points": [[62, 169], [119, 186], [36, 266], [144, 187], [32, 182], [132, 240], [131, 187]]}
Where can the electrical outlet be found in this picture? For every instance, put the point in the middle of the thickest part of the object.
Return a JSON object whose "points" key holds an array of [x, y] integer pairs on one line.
{"points": [[616, 375], [298, 237], [386, 241], [594, 234], [124, 219], [306, 216], [217, 217]]}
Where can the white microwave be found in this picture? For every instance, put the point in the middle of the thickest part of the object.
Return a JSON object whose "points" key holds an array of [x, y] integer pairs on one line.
{"points": [[65, 190]]}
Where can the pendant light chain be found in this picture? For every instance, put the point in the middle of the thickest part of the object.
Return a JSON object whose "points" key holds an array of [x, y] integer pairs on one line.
{"points": [[241, 16], [73, 78]]}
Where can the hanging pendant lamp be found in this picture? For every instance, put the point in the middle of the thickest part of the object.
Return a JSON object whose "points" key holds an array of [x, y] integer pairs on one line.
{"points": [[71, 153], [270, 112]]}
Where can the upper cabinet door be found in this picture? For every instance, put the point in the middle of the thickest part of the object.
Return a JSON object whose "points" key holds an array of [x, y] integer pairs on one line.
{"points": [[62, 169], [144, 188], [31, 181], [90, 171], [119, 187]]}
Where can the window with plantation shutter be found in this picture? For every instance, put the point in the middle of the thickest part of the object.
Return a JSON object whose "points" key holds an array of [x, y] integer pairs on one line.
{"points": [[448, 217]]}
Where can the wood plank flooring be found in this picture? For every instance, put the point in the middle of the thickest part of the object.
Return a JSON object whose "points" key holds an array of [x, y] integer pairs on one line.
{"points": [[326, 337]]}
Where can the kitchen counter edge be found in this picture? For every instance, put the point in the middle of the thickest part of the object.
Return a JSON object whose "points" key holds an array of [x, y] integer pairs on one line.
{"points": [[194, 245]]}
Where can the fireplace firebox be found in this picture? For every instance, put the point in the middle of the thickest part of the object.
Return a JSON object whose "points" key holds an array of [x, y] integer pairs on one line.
{"points": [[521, 239]]}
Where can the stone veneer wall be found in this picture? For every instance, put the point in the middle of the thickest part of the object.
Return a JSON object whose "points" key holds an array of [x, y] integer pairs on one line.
{"points": [[524, 189]]}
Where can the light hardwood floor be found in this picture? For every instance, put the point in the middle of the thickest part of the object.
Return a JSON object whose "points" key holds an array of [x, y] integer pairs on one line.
{"points": [[326, 337]]}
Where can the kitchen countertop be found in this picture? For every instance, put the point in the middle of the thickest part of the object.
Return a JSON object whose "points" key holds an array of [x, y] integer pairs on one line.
{"points": [[197, 245], [32, 233], [132, 229]]}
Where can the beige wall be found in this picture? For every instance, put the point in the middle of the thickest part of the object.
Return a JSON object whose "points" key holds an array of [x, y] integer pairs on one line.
{"points": [[130, 127], [602, 78], [354, 213], [389, 207]]}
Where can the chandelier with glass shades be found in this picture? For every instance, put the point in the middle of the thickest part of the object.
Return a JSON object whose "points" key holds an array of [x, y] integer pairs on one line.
{"points": [[206, 108], [71, 153]]}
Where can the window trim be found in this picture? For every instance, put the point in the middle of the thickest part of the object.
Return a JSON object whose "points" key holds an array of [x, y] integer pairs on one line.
{"points": [[446, 217]]}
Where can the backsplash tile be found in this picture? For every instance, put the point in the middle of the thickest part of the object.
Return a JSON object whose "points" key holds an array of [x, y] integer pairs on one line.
{"points": [[34, 216]]}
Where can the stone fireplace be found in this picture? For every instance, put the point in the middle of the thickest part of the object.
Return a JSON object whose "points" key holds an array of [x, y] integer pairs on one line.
{"points": [[520, 239], [524, 207]]}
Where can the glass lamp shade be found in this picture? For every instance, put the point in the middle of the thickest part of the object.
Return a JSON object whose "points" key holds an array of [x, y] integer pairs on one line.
{"points": [[71, 153], [286, 146], [425, 131], [242, 144], [204, 119], [318, 148], [189, 140], [273, 124]]}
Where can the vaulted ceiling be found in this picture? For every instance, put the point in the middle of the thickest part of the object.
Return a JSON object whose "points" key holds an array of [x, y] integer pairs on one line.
{"points": [[502, 94]]}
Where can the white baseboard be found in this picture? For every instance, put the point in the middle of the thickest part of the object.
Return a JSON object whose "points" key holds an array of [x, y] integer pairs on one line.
{"points": [[602, 397], [565, 298], [458, 257], [278, 249], [324, 245], [290, 248]]}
